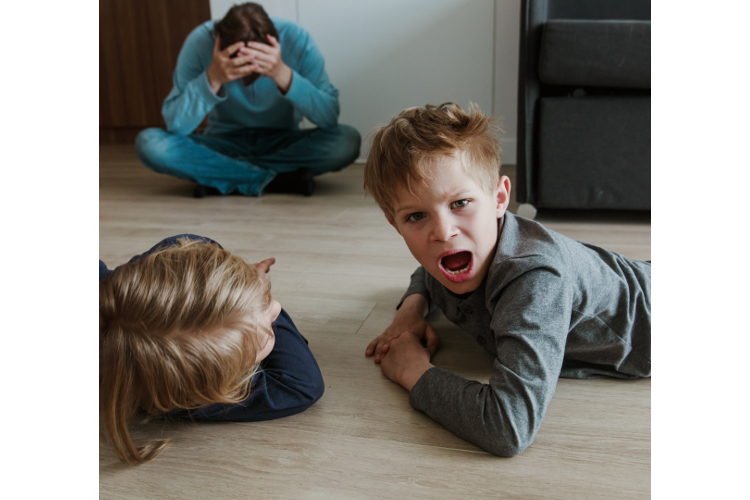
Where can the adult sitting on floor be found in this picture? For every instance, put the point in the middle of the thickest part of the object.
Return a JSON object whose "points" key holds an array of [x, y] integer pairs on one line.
{"points": [[256, 78]]}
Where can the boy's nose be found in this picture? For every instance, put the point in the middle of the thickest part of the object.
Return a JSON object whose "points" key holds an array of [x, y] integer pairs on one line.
{"points": [[443, 229]]}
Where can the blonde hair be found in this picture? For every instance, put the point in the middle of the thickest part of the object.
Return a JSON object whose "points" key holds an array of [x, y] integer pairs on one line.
{"points": [[177, 330], [404, 150]]}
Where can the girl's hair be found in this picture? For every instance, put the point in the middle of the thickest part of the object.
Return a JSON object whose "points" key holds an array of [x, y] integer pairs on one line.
{"points": [[403, 151], [177, 330]]}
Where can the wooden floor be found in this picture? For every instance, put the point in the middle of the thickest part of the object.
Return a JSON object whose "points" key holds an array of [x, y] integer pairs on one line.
{"points": [[340, 271]]}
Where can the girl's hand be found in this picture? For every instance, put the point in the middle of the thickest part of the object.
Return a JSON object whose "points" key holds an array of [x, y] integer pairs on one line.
{"points": [[264, 266]]}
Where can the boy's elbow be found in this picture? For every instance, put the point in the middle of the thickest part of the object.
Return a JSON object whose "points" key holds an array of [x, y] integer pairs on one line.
{"points": [[509, 442], [506, 449]]}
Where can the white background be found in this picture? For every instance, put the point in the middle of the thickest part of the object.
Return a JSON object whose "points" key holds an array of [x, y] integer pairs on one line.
{"points": [[50, 140]]}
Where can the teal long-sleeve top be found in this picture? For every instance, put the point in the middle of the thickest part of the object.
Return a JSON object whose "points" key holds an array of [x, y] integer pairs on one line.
{"points": [[260, 105]]}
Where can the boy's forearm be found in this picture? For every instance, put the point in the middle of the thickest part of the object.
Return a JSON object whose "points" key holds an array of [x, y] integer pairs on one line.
{"points": [[413, 373], [495, 420], [414, 304]]}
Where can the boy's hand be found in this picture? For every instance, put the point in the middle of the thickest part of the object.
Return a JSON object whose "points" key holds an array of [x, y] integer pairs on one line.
{"points": [[409, 318], [406, 360]]}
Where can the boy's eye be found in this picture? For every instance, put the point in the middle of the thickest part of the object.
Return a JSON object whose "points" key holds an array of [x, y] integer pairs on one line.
{"points": [[416, 216], [459, 203]]}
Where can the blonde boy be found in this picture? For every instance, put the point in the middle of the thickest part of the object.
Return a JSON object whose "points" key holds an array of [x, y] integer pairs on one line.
{"points": [[544, 305]]}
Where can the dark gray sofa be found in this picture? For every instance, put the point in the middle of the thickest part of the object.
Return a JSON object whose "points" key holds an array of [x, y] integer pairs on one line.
{"points": [[584, 104]]}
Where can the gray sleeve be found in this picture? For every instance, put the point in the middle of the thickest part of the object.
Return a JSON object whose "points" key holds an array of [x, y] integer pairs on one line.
{"points": [[530, 324], [418, 285]]}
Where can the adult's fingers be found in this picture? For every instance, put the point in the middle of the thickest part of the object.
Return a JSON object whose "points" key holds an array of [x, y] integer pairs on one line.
{"points": [[238, 62], [232, 48], [261, 47], [241, 71], [433, 341], [274, 42], [262, 56]]}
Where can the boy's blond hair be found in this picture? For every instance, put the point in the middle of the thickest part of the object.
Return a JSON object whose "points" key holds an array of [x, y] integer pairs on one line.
{"points": [[177, 329], [405, 150]]}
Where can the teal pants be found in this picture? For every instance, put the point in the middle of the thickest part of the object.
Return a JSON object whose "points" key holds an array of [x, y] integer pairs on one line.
{"points": [[247, 160]]}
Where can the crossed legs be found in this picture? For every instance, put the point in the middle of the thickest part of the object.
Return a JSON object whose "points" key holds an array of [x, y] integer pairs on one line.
{"points": [[248, 160]]}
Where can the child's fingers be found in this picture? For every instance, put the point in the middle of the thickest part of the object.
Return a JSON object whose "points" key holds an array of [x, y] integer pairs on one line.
{"points": [[382, 351], [433, 341], [265, 265], [371, 347]]}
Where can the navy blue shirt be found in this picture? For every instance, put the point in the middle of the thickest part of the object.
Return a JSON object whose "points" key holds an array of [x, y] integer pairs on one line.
{"points": [[288, 382]]}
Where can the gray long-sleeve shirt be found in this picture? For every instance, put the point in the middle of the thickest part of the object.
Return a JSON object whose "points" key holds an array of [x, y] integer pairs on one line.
{"points": [[549, 307]]}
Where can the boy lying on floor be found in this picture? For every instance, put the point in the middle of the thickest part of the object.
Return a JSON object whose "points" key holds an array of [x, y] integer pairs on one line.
{"points": [[544, 305]]}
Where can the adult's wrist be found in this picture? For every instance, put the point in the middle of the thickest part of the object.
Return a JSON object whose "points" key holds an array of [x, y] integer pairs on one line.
{"points": [[283, 78], [213, 81]]}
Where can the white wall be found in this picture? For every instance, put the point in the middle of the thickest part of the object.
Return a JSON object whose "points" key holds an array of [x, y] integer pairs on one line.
{"points": [[507, 30], [274, 8], [387, 55]]}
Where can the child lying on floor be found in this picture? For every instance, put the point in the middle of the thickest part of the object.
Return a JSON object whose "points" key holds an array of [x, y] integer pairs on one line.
{"points": [[189, 330], [544, 305]]}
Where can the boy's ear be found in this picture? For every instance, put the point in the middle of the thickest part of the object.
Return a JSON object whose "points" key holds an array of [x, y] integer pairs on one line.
{"points": [[502, 195], [392, 224]]}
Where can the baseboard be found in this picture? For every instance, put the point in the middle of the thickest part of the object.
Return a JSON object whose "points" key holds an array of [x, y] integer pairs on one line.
{"points": [[508, 155]]}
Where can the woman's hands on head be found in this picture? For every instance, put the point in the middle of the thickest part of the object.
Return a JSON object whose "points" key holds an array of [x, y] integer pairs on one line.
{"points": [[229, 64], [243, 59], [266, 60]]}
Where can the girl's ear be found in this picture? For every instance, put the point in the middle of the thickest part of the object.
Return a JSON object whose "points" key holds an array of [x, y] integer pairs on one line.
{"points": [[502, 195]]}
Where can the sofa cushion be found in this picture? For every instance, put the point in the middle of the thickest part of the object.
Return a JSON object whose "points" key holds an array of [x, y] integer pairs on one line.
{"points": [[596, 53], [594, 152]]}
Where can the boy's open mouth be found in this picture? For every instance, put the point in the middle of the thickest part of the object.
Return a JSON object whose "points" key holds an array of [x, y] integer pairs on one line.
{"points": [[457, 265]]}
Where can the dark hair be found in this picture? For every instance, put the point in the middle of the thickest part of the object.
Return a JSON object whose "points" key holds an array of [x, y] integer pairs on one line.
{"points": [[247, 22]]}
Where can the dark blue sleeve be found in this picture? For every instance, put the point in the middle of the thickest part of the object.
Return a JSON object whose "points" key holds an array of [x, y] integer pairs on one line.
{"points": [[103, 271], [166, 242], [289, 382]]}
